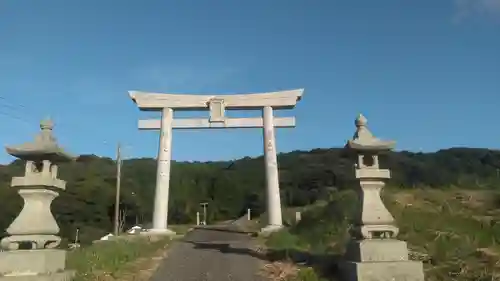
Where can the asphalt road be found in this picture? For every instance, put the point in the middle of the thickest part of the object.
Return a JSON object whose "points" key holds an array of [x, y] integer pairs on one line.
{"points": [[209, 254]]}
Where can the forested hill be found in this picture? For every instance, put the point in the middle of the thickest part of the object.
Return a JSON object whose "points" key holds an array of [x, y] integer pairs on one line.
{"points": [[232, 187]]}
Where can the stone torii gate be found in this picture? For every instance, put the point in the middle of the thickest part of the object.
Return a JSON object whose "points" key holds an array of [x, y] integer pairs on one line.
{"points": [[216, 104]]}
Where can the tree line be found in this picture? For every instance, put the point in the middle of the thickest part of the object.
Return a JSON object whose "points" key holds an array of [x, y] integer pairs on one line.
{"points": [[231, 187]]}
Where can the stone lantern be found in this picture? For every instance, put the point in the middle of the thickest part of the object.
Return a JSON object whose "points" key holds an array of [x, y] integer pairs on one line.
{"points": [[374, 253], [29, 252]]}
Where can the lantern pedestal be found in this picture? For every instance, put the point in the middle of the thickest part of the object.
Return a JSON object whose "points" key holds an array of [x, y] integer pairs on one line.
{"points": [[383, 271], [47, 264], [380, 260]]}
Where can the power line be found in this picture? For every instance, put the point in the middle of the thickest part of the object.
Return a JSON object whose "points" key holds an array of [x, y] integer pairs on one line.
{"points": [[10, 111], [10, 104], [15, 117], [13, 108]]}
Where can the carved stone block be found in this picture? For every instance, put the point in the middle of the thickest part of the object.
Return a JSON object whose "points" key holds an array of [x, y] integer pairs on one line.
{"points": [[217, 110], [376, 250], [24, 262], [35, 218], [383, 271], [58, 276], [373, 174]]}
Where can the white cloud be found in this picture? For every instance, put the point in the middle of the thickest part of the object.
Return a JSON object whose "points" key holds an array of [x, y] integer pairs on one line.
{"points": [[483, 8]]}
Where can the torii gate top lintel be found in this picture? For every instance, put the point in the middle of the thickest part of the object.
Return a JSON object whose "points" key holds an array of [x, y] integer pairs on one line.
{"points": [[156, 101]]}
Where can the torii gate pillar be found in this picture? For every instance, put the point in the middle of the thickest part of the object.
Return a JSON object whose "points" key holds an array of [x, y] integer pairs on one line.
{"points": [[272, 176], [160, 212], [167, 103]]}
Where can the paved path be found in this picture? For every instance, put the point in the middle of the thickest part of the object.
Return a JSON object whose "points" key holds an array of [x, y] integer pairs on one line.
{"points": [[211, 254]]}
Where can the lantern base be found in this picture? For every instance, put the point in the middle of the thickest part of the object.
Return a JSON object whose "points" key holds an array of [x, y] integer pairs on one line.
{"points": [[376, 250], [46, 264], [383, 271], [380, 260], [59, 276]]}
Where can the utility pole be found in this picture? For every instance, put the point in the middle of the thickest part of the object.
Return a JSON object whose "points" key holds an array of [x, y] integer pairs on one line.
{"points": [[118, 182], [204, 212]]}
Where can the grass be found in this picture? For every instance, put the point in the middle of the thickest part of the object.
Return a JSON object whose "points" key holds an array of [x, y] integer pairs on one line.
{"points": [[453, 232], [180, 229], [120, 259], [289, 215]]}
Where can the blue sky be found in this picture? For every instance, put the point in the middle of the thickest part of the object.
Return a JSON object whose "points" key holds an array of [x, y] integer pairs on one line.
{"points": [[425, 73]]}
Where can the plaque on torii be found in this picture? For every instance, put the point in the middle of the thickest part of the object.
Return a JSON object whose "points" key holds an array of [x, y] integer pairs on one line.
{"points": [[217, 110], [216, 105]]}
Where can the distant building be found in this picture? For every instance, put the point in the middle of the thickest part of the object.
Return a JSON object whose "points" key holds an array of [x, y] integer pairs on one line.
{"points": [[106, 237], [135, 230]]}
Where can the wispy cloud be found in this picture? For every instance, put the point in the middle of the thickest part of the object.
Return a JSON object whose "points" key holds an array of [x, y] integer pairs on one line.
{"points": [[464, 9]]}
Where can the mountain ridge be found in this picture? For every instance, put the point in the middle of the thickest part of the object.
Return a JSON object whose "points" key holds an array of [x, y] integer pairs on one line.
{"points": [[231, 187]]}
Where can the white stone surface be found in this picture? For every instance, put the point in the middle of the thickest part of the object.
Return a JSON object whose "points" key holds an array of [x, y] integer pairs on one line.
{"points": [[217, 110], [32, 262], [375, 218], [376, 250], [383, 271], [157, 101], [272, 176], [195, 123], [36, 216], [160, 214]]}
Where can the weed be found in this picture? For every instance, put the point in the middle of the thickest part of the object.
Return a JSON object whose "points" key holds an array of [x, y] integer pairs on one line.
{"points": [[453, 232], [108, 259], [307, 274]]}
